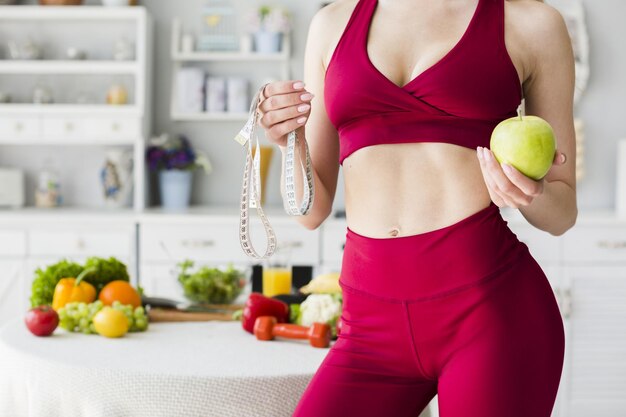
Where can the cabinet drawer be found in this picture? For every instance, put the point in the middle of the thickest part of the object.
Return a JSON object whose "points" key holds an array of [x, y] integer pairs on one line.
{"points": [[595, 244], [113, 128], [544, 247], [304, 244], [12, 243], [63, 128], [210, 243], [220, 242], [73, 243], [20, 127]]}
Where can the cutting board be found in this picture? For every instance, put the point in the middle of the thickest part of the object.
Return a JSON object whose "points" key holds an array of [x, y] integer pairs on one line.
{"points": [[171, 315]]}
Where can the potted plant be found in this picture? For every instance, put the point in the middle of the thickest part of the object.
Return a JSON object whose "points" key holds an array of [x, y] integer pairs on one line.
{"points": [[267, 25], [175, 160]]}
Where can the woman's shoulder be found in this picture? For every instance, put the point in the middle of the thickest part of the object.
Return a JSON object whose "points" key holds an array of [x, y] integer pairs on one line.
{"points": [[329, 23], [535, 17]]}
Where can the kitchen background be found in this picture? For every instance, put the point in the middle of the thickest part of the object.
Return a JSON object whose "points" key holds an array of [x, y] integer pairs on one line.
{"points": [[601, 108], [586, 266]]}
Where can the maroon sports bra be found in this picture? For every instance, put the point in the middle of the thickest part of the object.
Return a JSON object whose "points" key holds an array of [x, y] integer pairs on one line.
{"points": [[458, 100]]}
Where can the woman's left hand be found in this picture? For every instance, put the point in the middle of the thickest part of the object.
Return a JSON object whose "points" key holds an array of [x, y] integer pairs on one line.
{"points": [[506, 185]]}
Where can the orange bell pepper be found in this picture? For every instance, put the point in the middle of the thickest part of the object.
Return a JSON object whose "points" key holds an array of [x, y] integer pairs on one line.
{"points": [[70, 290]]}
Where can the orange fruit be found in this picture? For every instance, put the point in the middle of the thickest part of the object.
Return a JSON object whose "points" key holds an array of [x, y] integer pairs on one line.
{"points": [[120, 291]]}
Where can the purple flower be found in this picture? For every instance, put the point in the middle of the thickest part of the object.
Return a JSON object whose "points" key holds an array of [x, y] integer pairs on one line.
{"points": [[175, 153]]}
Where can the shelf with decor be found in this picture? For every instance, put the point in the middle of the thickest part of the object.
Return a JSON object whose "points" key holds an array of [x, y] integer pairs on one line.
{"points": [[77, 102], [73, 109], [67, 67], [193, 68]]}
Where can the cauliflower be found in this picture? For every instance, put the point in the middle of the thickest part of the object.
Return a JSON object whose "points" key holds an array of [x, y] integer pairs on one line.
{"points": [[321, 308]]}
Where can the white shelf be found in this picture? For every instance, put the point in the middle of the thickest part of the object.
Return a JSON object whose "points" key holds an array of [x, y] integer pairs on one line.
{"points": [[208, 116], [198, 56], [70, 142], [58, 13], [74, 109], [67, 67], [72, 214], [219, 212], [179, 58]]}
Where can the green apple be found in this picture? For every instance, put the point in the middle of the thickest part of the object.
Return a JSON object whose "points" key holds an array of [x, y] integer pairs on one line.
{"points": [[527, 143]]}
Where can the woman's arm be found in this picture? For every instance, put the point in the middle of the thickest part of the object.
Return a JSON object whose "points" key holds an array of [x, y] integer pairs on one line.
{"points": [[548, 204], [280, 116]]}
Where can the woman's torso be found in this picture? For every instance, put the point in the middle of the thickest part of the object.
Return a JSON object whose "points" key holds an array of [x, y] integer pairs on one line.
{"points": [[399, 189]]}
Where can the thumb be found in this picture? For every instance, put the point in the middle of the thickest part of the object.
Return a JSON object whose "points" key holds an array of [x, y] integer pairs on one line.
{"points": [[559, 158]]}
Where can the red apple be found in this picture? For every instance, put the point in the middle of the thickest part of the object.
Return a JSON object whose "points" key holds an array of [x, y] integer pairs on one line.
{"points": [[42, 320]]}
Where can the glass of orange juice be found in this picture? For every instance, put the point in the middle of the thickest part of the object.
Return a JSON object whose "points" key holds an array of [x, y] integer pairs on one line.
{"points": [[277, 274]]}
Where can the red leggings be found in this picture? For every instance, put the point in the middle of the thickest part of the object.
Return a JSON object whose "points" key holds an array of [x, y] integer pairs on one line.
{"points": [[464, 312]]}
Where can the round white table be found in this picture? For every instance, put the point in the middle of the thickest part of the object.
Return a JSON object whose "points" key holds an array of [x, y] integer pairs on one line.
{"points": [[173, 369]]}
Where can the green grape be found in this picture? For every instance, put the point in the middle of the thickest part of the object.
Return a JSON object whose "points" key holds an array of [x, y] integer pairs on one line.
{"points": [[78, 317], [141, 323]]}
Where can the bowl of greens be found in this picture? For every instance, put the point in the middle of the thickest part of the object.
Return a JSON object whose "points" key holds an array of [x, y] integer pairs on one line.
{"points": [[212, 284]]}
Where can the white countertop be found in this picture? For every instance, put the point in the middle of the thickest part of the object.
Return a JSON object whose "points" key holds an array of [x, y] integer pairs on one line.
{"points": [[221, 213]]}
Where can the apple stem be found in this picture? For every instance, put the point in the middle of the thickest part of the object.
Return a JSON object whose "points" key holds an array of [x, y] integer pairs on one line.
{"points": [[519, 112]]}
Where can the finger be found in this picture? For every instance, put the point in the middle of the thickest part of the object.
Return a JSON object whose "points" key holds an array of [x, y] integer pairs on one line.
{"points": [[495, 197], [273, 117], [283, 87], [280, 129], [505, 186], [281, 101], [527, 185]]}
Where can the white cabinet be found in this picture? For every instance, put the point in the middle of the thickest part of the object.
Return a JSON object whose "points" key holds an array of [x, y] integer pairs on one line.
{"points": [[214, 243], [13, 301], [161, 280], [27, 244], [594, 382]]}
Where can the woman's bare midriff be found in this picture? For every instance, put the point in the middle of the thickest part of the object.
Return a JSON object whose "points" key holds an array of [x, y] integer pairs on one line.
{"points": [[395, 190]]}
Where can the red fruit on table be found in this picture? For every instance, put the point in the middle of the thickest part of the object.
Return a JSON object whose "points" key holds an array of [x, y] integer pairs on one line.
{"points": [[42, 320]]}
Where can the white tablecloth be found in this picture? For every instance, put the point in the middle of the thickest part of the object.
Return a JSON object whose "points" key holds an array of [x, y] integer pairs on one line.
{"points": [[173, 369]]}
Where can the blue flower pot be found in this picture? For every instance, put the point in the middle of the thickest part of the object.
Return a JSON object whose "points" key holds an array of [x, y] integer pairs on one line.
{"points": [[175, 187], [267, 42]]}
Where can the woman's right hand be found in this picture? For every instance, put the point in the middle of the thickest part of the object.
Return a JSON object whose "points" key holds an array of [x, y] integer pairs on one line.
{"points": [[284, 107]]}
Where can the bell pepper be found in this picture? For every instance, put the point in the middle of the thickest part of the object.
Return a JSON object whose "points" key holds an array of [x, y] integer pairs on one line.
{"points": [[259, 305], [70, 290]]}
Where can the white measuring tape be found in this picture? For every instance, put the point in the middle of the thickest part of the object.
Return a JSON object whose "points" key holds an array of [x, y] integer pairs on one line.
{"points": [[252, 180]]}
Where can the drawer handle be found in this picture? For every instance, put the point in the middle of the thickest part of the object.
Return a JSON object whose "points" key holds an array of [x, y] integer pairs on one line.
{"points": [[19, 126], [115, 127], [197, 243], [80, 244], [612, 244], [564, 299], [69, 126], [291, 244]]}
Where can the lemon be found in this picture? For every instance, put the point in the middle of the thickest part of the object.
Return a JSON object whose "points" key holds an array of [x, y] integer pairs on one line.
{"points": [[110, 322]]}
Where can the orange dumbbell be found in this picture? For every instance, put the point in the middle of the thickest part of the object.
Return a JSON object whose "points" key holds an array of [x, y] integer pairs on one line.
{"points": [[266, 328]]}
